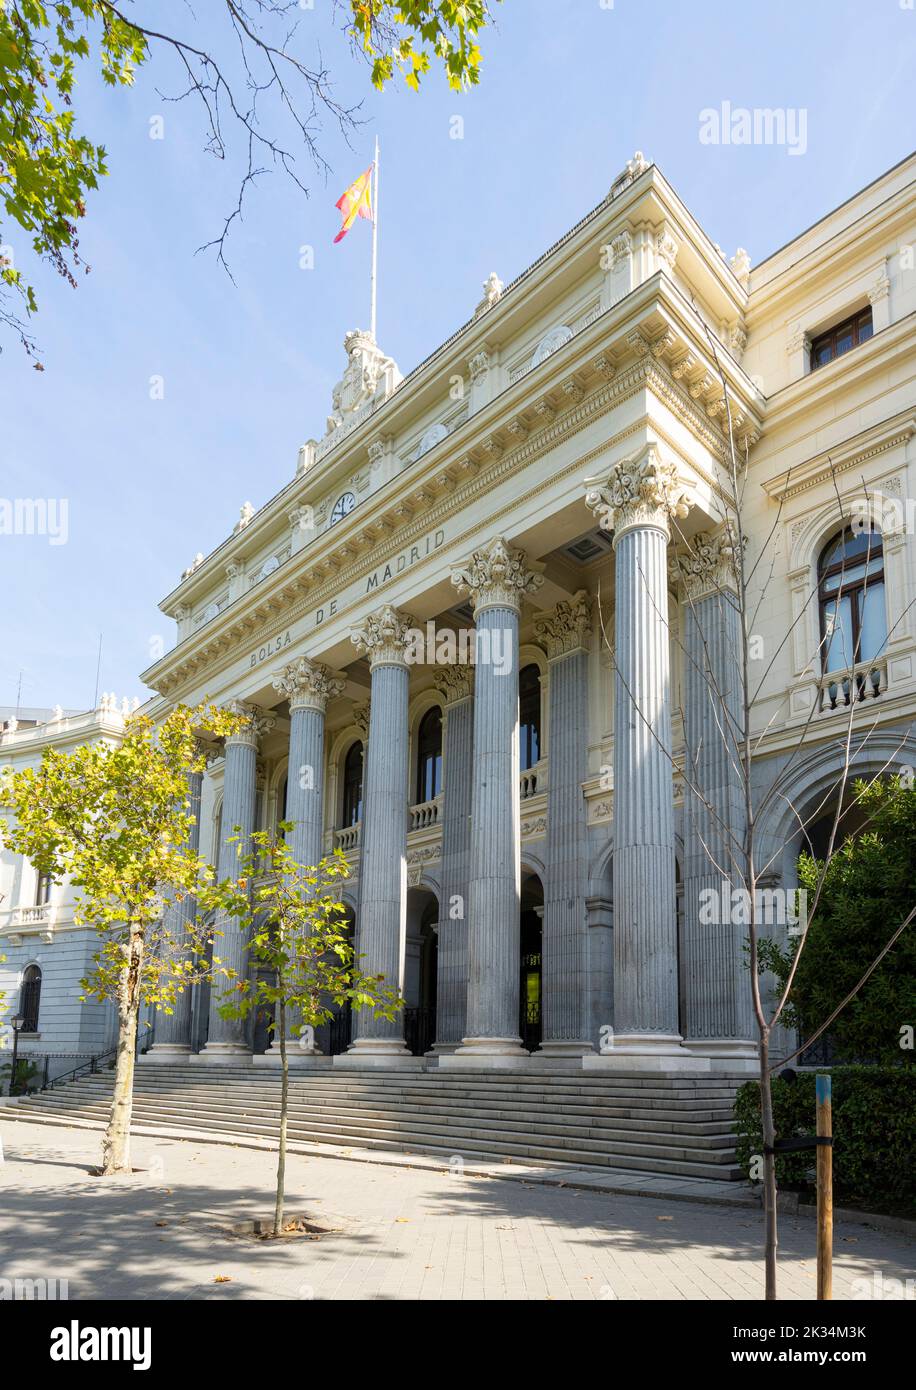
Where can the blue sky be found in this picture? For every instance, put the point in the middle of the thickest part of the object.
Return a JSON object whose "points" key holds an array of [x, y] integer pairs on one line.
{"points": [[570, 88]]}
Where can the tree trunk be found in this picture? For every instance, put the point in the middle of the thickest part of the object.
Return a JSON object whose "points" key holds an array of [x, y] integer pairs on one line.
{"points": [[769, 1169], [116, 1144], [284, 1106]]}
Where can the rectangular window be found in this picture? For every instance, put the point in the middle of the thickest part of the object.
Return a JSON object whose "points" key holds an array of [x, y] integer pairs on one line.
{"points": [[841, 338]]}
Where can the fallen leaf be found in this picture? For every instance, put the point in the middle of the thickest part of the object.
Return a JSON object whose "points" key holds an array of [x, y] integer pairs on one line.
{"points": [[664, 1218], [222, 1279]]}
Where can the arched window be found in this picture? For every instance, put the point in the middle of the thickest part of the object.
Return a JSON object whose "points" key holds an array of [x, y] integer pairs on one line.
{"points": [[30, 998], [529, 715], [850, 578], [353, 785], [429, 755]]}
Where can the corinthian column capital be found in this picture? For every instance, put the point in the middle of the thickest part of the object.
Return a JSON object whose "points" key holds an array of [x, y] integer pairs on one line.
{"points": [[497, 577], [307, 684], [567, 627], [640, 491], [384, 637], [258, 723], [707, 566]]}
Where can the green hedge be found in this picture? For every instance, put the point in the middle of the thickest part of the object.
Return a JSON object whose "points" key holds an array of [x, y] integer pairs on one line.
{"points": [[874, 1121]]}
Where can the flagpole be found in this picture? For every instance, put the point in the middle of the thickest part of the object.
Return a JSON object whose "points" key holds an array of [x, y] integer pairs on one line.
{"points": [[374, 241]]}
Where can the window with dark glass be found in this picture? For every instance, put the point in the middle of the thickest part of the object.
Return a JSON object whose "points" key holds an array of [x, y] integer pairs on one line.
{"points": [[429, 755], [284, 800], [850, 577], [43, 891], [842, 338], [529, 715], [353, 785], [30, 998]]}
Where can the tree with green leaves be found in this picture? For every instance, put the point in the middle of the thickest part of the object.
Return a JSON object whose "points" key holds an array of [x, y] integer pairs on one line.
{"points": [[114, 819], [866, 886], [258, 93], [296, 925]]}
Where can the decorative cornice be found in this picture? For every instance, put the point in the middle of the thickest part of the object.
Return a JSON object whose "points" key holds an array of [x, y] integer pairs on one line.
{"points": [[567, 627], [455, 683], [708, 566], [295, 594], [497, 577], [307, 685], [383, 637], [852, 453], [258, 723], [641, 490]]}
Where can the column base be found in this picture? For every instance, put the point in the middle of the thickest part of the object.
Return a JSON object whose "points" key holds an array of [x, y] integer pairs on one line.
{"points": [[651, 1052], [166, 1054], [387, 1054], [487, 1054], [726, 1054], [442, 1049], [217, 1054]]}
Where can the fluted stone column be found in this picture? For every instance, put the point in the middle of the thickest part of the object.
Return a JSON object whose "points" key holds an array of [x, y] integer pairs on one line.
{"points": [[719, 1010], [227, 1040], [457, 685], [383, 843], [173, 1031], [564, 632], [308, 686], [497, 579], [638, 503]]}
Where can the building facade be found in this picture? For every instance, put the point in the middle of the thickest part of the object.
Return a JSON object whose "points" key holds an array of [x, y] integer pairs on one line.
{"points": [[43, 952], [485, 637]]}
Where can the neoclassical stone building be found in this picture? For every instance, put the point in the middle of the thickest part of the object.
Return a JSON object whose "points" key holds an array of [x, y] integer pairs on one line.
{"points": [[44, 953], [546, 493]]}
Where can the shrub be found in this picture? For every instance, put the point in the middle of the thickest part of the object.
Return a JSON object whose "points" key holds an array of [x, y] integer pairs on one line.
{"points": [[874, 1119], [867, 892]]}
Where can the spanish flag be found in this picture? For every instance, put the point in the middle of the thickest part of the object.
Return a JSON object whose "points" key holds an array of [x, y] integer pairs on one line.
{"points": [[356, 202]]}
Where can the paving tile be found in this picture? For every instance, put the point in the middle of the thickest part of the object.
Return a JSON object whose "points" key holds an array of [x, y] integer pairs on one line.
{"points": [[406, 1233]]}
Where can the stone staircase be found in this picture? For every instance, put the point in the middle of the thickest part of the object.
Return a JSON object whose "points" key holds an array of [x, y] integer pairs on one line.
{"points": [[673, 1125]]}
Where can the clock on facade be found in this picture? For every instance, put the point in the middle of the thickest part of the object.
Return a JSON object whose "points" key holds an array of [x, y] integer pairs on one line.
{"points": [[342, 507]]}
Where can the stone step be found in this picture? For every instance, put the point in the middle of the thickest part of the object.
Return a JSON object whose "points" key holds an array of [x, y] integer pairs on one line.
{"points": [[515, 1081], [713, 1121], [520, 1123], [430, 1084], [661, 1124], [668, 1158], [320, 1090], [456, 1131]]}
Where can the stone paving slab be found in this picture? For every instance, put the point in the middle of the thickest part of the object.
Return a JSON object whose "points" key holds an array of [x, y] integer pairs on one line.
{"points": [[397, 1230]]}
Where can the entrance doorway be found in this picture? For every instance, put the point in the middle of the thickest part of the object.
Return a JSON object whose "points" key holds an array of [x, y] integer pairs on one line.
{"points": [[530, 959], [420, 970]]}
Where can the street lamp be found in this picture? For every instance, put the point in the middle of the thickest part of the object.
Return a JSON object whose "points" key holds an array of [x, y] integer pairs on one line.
{"points": [[16, 1023]]}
